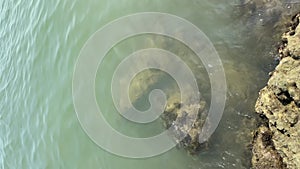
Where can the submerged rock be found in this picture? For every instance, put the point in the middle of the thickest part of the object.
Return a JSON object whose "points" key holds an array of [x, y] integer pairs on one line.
{"points": [[279, 104], [185, 123], [182, 118], [269, 12], [261, 16]]}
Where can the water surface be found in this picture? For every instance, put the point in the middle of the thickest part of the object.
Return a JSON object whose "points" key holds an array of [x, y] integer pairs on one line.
{"points": [[40, 42]]}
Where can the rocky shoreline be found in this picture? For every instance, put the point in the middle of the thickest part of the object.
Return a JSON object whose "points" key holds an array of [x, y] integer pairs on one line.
{"points": [[276, 141]]}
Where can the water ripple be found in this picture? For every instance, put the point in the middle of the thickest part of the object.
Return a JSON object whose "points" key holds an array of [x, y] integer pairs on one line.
{"points": [[41, 40]]}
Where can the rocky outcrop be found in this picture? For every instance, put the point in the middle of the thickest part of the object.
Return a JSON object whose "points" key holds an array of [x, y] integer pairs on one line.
{"points": [[264, 154], [276, 143], [291, 39]]}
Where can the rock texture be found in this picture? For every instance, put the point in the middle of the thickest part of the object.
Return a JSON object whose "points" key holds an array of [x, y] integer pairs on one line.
{"points": [[265, 156], [185, 123], [277, 143], [291, 40]]}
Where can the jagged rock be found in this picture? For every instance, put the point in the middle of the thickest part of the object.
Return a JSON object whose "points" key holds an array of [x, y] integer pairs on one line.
{"points": [[291, 40], [264, 154], [279, 103]]}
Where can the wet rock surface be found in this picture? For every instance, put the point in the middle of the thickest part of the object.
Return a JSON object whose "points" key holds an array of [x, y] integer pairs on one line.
{"points": [[185, 123], [276, 143]]}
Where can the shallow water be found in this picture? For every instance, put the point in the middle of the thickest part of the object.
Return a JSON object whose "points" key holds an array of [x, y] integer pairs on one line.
{"points": [[40, 42]]}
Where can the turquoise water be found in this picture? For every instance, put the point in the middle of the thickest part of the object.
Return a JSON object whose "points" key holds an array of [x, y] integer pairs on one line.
{"points": [[40, 42]]}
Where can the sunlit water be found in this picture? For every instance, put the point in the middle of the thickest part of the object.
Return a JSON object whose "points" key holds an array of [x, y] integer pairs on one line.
{"points": [[40, 42]]}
